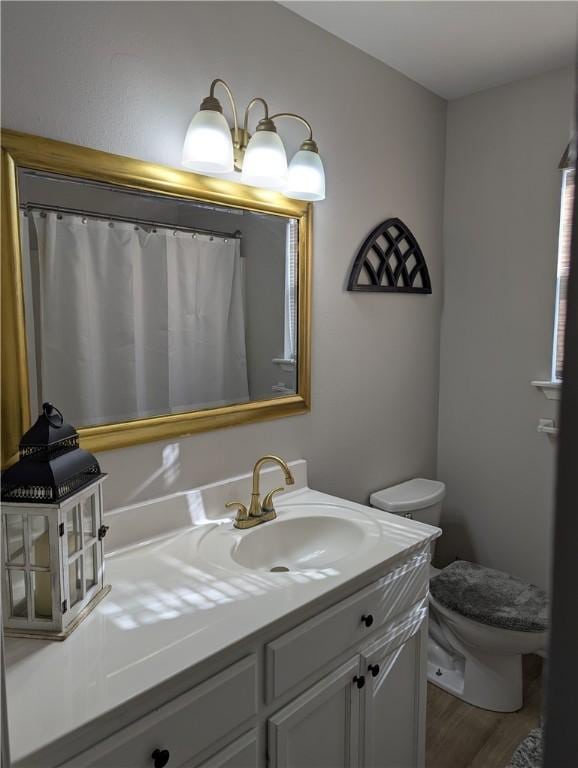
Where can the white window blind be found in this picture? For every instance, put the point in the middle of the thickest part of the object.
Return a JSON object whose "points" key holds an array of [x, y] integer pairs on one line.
{"points": [[290, 345], [564, 239]]}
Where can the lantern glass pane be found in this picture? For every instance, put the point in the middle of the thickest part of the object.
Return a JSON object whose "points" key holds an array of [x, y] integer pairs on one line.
{"points": [[42, 593], [90, 575], [39, 541], [15, 539], [75, 581], [88, 518], [73, 529], [18, 602]]}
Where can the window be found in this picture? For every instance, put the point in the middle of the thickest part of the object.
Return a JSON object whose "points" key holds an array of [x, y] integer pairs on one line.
{"points": [[290, 342], [564, 237]]}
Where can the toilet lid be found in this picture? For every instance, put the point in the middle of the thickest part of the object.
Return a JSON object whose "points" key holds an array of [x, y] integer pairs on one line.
{"points": [[491, 597]]}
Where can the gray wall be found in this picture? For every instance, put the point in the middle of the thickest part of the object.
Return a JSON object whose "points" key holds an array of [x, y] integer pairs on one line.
{"points": [[127, 77], [501, 227]]}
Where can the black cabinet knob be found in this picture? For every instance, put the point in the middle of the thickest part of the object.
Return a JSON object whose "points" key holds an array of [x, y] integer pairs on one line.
{"points": [[374, 669], [359, 681], [161, 757], [367, 620]]}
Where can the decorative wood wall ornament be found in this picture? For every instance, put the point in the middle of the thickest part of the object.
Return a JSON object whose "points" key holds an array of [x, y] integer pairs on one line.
{"points": [[390, 259]]}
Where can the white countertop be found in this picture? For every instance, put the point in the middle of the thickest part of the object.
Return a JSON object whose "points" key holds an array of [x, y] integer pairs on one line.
{"points": [[169, 610]]}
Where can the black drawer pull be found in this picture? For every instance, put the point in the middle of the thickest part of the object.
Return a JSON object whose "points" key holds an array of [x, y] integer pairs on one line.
{"points": [[367, 620], [161, 757], [359, 681], [374, 669]]}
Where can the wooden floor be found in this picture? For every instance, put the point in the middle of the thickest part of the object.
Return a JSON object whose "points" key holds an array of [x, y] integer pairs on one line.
{"points": [[462, 736]]}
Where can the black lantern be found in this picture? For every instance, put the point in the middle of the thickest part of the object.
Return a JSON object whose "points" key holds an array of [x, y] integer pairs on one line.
{"points": [[51, 465], [52, 518]]}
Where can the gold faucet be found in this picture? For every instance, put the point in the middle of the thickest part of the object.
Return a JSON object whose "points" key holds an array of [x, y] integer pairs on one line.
{"points": [[260, 512]]}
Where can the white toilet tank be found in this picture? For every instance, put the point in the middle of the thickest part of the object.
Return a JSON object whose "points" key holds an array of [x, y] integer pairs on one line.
{"points": [[419, 499]]}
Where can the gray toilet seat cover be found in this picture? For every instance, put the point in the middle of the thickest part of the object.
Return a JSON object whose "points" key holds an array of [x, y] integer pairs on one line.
{"points": [[491, 597]]}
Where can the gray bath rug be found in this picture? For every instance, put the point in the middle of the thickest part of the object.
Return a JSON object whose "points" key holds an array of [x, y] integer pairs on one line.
{"points": [[529, 753]]}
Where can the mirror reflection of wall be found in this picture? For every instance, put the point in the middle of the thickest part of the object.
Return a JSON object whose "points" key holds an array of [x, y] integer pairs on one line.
{"points": [[106, 343]]}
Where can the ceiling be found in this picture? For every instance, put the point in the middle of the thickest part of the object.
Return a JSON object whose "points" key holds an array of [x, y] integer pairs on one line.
{"points": [[454, 48]]}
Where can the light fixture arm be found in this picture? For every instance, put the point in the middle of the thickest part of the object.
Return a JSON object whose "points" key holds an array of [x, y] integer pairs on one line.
{"points": [[219, 81], [250, 105], [300, 119]]}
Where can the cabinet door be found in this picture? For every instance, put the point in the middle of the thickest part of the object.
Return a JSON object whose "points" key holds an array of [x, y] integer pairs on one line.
{"points": [[240, 754], [393, 716], [320, 728]]}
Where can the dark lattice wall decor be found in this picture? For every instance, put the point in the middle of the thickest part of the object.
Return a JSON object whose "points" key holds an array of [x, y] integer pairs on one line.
{"points": [[390, 259]]}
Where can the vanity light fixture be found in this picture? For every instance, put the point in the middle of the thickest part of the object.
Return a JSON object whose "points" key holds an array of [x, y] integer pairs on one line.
{"points": [[211, 147]]}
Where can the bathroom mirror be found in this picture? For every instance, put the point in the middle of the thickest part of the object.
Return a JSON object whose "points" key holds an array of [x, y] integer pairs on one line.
{"points": [[144, 301]]}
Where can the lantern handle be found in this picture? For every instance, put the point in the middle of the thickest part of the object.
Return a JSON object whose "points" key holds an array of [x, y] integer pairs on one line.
{"points": [[53, 415]]}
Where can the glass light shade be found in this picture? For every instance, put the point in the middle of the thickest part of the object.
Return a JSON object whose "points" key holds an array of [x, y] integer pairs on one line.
{"points": [[265, 161], [306, 177], [208, 146]]}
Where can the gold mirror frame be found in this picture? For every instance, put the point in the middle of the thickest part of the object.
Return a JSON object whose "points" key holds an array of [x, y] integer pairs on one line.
{"points": [[34, 152]]}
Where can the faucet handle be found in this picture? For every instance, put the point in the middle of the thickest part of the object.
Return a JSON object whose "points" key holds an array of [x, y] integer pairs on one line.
{"points": [[267, 505], [242, 513]]}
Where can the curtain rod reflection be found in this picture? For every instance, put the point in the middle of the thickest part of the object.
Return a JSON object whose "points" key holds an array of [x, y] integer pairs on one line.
{"points": [[237, 234], [140, 193]]}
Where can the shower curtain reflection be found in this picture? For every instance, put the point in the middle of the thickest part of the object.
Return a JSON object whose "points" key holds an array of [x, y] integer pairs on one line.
{"points": [[111, 344]]}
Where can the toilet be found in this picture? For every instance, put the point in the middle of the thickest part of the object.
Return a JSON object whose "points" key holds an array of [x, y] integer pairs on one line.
{"points": [[481, 620]]}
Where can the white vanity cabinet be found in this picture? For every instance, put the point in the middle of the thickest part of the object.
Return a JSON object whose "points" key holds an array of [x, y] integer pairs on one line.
{"points": [[344, 688], [369, 712], [394, 701]]}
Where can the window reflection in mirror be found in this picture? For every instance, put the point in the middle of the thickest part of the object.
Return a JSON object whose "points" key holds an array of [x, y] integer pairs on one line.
{"points": [[141, 305]]}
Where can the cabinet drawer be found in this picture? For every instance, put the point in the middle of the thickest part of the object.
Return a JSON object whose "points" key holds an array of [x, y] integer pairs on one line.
{"points": [[240, 754], [184, 726], [295, 656]]}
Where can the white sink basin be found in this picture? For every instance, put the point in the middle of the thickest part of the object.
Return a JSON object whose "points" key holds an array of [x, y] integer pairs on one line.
{"points": [[297, 543], [303, 537]]}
